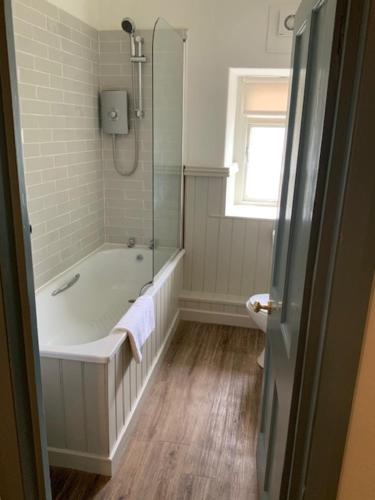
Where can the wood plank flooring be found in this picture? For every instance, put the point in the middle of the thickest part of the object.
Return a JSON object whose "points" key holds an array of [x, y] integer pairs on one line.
{"points": [[195, 431]]}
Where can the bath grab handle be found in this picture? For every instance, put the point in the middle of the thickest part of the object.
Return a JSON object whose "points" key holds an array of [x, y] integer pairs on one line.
{"points": [[142, 291], [66, 285], [144, 287]]}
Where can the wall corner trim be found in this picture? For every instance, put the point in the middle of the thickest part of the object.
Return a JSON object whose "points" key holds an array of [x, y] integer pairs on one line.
{"points": [[191, 171]]}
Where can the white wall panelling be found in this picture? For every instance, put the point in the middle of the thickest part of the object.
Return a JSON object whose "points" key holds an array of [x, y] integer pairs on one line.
{"points": [[90, 405], [227, 258]]}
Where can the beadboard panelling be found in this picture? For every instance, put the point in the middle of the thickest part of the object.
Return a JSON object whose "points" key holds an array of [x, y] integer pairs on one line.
{"points": [[57, 70], [74, 405], [89, 405], [95, 400], [227, 256], [53, 401]]}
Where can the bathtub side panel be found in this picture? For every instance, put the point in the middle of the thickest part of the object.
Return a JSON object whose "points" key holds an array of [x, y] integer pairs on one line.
{"points": [[53, 397], [158, 314], [111, 394], [126, 386], [74, 404], [139, 375], [89, 405], [96, 411], [135, 376], [119, 374], [133, 383]]}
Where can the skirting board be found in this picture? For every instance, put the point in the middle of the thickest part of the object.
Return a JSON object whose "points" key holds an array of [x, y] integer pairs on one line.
{"points": [[215, 308], [87, 462], [217, 318], [98, 464]]}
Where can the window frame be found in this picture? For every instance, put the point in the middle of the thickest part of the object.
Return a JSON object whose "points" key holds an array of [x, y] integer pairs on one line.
{"points": [[258, 121], [242, 123]]}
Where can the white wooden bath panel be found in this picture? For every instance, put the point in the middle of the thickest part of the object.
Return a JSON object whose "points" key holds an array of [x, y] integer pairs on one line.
{"points": [[89, 404]]}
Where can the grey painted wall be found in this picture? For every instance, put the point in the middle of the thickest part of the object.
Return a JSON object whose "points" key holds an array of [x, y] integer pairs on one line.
{"points": [[57, 60]]}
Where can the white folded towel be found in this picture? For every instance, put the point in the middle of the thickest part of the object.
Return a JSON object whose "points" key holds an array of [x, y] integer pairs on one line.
{"points": [[138, 322]]}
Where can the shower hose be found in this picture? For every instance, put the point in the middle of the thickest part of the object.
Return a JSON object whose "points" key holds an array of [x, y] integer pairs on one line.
{"points": [[136, 134]]}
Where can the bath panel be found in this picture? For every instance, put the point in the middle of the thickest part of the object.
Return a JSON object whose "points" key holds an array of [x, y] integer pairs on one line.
{"points": [[90, 402]]}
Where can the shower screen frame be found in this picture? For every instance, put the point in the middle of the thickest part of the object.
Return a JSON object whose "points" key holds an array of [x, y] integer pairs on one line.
{"points": [[159, 57]]}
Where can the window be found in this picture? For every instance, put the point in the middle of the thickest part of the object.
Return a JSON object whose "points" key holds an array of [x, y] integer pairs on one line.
{"points": [[263, 163], [258, 145]]}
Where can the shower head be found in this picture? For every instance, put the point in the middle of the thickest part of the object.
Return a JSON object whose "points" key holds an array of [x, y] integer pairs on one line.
{"points": [[128, 25]]}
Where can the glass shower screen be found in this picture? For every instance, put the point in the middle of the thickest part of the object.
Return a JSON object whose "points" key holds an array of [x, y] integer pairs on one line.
{"points": [[167, 84]]}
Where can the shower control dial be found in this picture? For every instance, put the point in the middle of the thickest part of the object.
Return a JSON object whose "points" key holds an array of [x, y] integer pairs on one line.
{"points": [[113, 114]]}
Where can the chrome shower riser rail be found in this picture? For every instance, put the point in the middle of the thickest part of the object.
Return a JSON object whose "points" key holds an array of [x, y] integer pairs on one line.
{"points": [[139, 59]]}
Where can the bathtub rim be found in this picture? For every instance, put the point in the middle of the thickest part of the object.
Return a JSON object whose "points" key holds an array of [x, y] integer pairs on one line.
{"points": [[102, 350], [102, 247]]}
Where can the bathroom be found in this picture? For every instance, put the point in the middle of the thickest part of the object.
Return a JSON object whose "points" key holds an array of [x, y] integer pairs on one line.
{"points": [[85, 212], [159, 151]]}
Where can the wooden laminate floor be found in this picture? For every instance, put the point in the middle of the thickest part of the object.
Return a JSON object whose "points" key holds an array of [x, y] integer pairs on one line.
{"points": [[195, 431]]}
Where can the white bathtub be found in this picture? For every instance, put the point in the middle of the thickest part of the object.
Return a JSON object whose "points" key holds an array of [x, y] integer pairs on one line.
{"points": [[76, 323], [91, 383]]}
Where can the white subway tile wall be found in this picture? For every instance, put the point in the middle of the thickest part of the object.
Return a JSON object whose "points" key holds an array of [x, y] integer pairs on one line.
{"points": [[57, 60], [128, 200], [76, 199]]}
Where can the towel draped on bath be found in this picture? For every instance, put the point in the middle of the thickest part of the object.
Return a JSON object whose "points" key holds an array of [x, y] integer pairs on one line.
{"points": [[138, 322]]}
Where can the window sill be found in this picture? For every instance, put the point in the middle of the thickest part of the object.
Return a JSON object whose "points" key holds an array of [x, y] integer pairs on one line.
{"points": [[252, 212]]}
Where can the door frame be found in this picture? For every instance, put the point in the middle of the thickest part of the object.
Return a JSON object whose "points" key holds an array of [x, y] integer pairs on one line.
{"points": [[342, 272], [23, 455], [310, 472]]}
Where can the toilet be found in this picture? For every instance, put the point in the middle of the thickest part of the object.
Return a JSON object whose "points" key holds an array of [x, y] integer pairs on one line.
{"points": [[259, 318]]}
